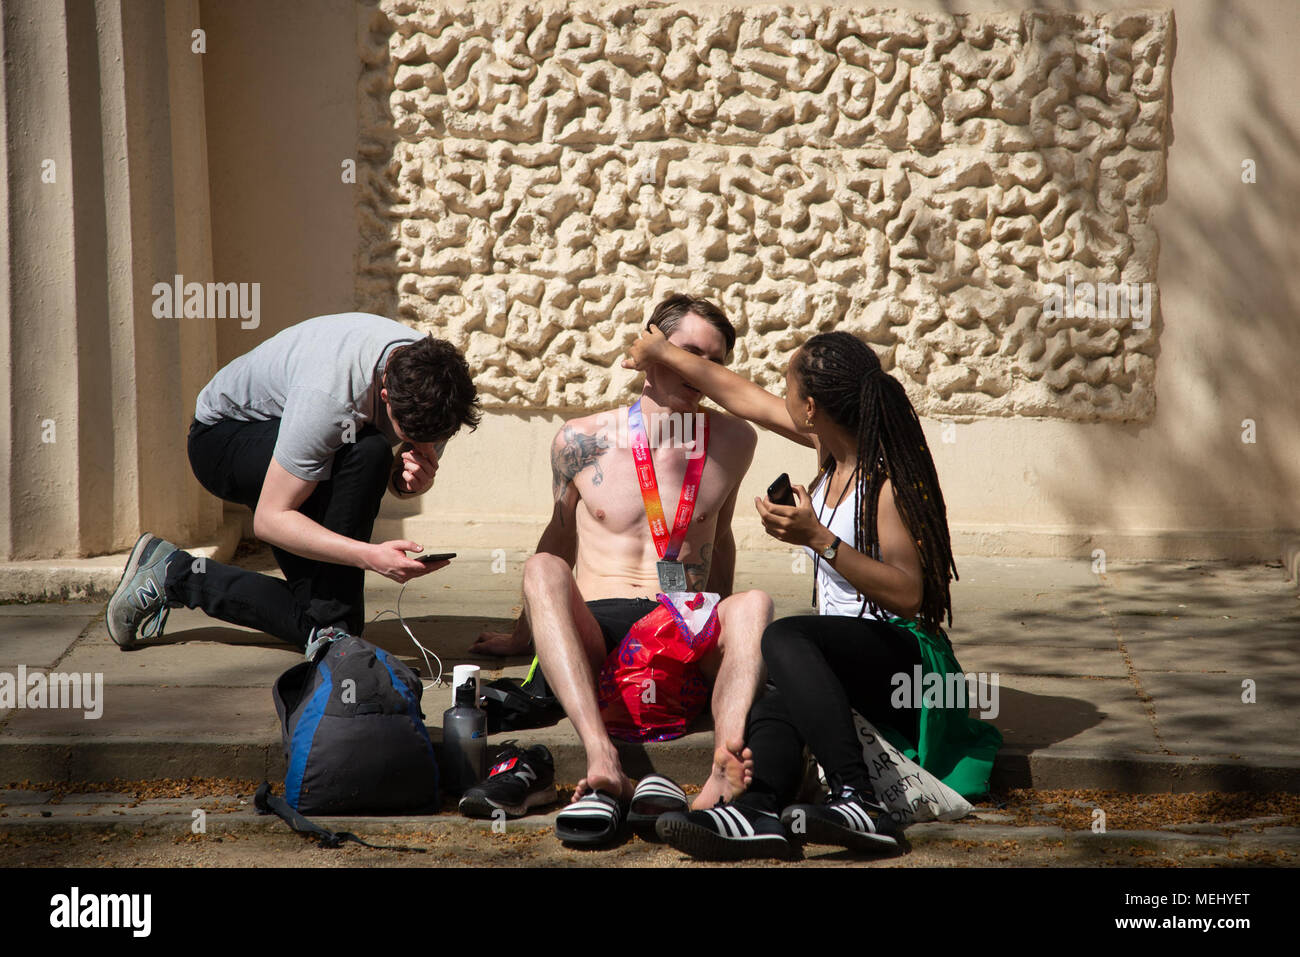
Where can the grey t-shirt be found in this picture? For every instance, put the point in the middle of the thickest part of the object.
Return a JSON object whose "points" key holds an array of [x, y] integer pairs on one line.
{"points": [[321, 378]]}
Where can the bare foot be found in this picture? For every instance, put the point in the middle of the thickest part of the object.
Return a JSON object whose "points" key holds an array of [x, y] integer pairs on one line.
{"points": [[605, 775], [500, 644], [733, 771], [516, 641]]}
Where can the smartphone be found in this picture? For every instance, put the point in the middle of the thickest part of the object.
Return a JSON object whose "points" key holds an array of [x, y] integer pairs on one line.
{"points": [[778, 493], [439, 557]]}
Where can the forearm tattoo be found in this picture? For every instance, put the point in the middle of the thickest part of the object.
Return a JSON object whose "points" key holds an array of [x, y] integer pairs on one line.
{"points": [[577, 452], [697, 572]]}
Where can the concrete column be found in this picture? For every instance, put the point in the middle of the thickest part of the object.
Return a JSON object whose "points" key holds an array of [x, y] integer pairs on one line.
{"points": [[103, 190]]}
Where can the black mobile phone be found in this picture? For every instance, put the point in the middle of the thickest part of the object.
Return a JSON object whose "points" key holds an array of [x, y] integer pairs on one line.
{"points": [[778, 493], [439, 557]]}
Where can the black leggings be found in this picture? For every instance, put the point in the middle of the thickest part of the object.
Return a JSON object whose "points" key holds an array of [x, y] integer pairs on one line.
{"points": [[820, 667], [230, 460]]}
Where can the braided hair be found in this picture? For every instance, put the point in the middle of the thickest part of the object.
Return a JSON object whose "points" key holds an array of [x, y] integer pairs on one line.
{"points": [[843, 376]]}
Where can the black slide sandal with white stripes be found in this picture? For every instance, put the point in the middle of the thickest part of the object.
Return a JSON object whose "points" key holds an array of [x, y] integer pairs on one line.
{"points": [[655, 795], [590, 821], [726, 833]]}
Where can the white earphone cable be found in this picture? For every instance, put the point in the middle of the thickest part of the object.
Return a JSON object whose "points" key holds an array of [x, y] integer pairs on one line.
{"points": [[437, 681]]}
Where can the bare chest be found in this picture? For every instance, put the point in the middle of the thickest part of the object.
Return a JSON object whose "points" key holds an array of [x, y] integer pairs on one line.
{"points": [[611, 494]]}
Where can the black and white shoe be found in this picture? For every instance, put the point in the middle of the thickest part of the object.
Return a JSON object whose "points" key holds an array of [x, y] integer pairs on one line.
{"points": [[522, 778], [728, 832], [593, 820], [655, 796], [846, 819]]}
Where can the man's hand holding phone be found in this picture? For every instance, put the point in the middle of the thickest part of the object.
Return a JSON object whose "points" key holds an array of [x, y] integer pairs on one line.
{"points": [[390, 560]]}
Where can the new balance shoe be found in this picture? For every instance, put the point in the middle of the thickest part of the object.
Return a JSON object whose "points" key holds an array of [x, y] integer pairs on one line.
{"points": [[522, 778], [139, 606], [728, 832], [845, 819], [320, 637]]}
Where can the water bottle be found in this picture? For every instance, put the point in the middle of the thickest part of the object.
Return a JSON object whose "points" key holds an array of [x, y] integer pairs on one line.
{"points": [[464, 741]]}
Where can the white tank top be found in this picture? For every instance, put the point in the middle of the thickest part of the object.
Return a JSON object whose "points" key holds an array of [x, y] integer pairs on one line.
{"points": [[835, 596]]}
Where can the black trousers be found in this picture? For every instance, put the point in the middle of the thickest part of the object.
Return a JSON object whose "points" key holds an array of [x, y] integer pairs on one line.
{"points": [[820, 667], [230, 460]]}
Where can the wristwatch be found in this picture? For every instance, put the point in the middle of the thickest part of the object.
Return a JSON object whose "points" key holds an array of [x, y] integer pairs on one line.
{"points": [[828, 552]]}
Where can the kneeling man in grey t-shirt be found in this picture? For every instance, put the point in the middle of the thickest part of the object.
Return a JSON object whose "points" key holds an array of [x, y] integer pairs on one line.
{"points": [[301, 430]]}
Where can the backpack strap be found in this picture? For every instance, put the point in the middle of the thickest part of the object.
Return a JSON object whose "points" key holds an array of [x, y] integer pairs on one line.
{"points": [[268, 803]]}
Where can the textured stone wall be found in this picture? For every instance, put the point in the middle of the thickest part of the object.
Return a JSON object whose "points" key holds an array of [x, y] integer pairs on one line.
{"points": [[533, 177]]}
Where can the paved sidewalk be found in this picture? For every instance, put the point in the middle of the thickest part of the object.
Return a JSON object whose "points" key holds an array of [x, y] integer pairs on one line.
{"points": [[1131, 680], [46, 829]]}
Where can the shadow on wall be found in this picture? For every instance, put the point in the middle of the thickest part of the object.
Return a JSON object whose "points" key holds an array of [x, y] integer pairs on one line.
{"points": [[1231, 342]]}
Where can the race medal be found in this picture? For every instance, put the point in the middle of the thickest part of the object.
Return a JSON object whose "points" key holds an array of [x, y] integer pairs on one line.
{"points": [[668, 540], [672, 576]]}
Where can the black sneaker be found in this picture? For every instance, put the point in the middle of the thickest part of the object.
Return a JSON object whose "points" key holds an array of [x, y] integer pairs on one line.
{"points": [[846, 819], [522, 778], [728, 832]]}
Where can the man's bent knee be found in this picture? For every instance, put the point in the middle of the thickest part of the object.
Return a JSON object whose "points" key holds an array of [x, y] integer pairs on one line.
{"points": [[743, 616], [545, 567], [752, 605], [761, 604]]}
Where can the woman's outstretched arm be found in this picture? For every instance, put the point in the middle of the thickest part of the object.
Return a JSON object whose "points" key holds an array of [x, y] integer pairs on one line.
{"points": [[733, 392]]}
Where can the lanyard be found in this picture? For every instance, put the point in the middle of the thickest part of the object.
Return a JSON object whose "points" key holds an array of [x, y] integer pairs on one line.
{"points": [[667, 546]]}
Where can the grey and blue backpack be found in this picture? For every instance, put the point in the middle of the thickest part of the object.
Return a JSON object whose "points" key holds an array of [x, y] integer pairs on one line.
{"points": [[354, 735]]}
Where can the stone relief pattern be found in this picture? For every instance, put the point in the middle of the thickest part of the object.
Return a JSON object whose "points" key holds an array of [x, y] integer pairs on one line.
{"points": [[534, 178]]}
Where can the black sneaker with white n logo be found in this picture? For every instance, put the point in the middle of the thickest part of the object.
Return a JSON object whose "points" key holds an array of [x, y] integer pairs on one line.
{"points": [[522, 778], [728, 832], [846, 819]]}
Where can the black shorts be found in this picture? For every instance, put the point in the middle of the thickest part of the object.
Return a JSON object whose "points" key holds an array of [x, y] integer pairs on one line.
{"points": [[616, 616]]}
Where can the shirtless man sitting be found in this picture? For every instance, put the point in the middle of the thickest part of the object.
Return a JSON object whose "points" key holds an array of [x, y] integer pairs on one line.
{"points": [[595, 569]]}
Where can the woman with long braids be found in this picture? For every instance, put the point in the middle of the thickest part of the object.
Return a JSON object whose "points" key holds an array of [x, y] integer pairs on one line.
{"points": [[876, 528]]}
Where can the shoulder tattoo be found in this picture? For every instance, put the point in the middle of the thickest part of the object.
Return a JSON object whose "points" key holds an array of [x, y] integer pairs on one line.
{"points": [[576, 451]]}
